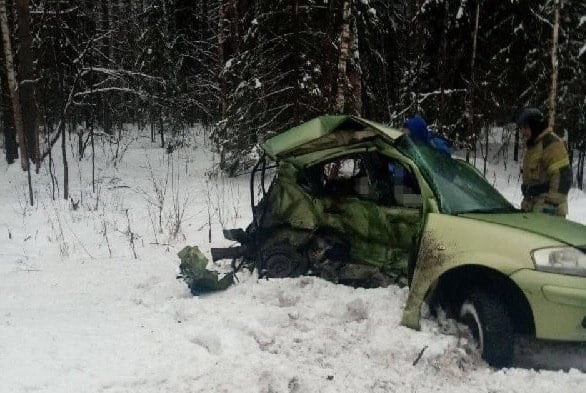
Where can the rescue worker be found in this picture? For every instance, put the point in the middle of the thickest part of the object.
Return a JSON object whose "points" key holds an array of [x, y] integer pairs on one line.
{"points": [[547, 175]]}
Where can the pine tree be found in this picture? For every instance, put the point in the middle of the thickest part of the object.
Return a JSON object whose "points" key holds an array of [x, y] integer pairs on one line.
{"points": [[275, 80]]}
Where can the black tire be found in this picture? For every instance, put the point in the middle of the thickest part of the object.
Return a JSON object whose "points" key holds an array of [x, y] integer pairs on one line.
{"points": [[491, 326], [282, 260]]}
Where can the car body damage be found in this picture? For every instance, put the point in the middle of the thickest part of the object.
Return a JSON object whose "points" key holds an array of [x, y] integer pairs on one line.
{"points": [[359, 203], [303, 214], [333, 186]]}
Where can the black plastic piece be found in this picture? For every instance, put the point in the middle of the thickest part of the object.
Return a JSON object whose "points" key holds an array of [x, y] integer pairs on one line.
{"points": [[228, 252], [237, 235]]}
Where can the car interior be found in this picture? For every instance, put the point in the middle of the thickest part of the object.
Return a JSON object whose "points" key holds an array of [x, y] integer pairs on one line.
{"points": [[389, 209], [369, 176]]}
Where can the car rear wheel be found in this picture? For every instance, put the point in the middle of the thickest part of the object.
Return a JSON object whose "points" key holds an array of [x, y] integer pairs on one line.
{"points": [[491, 327], [282, 260]]}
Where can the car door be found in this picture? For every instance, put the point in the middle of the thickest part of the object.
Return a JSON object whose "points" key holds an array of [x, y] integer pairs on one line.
{"points": [[361, 202]]}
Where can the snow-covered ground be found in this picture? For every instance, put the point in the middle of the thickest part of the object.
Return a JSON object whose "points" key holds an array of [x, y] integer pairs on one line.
{"points": [[89, 300]]}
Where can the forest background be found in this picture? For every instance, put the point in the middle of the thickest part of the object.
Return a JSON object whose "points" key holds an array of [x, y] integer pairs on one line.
{"points": [[77, 70]]}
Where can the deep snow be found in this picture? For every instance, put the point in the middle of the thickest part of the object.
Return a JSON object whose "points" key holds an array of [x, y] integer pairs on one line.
{"points": [[79, 313]]}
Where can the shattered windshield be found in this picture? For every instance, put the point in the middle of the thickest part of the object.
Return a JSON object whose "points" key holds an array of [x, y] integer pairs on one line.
{"points": [[458, 186]]}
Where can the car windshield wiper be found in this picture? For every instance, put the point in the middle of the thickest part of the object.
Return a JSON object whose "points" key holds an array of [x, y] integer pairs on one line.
{"points": [[491, 210]]}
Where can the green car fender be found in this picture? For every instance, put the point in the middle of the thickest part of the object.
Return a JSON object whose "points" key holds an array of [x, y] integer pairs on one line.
{"points": [[452, 242]]}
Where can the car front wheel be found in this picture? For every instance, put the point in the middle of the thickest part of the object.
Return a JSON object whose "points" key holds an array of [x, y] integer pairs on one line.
{"points": [[282, 260], [491, 326]]}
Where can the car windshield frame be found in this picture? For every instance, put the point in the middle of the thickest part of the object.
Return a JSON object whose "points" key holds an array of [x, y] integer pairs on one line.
{"points": [[458, 186]]}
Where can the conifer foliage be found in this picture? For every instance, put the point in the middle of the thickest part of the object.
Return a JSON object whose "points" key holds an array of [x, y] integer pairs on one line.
{"points": [[248, 69]]}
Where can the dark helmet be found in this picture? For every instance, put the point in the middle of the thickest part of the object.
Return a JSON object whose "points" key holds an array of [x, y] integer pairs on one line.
{"points": [[534, 119]]}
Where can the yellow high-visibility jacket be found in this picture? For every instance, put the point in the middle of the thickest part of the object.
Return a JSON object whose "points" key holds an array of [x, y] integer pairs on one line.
{"points": [[547, 175]]}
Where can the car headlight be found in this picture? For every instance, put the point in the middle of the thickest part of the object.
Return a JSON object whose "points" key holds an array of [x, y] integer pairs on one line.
{"points": [[562, 260]]}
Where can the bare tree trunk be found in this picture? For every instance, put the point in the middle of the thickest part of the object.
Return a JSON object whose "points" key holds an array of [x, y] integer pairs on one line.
{"points": [[162, 129], [92, 125], [63, 120], [222, 59], [152, 120], [93, 157], [106, 47], [65, 163], [330, 55], [14, 93], [29, 120], [443, 72], [486, 141], [516, 146], [48, 128], [554, 64], [580, 174], [472, 85], [27, 82], [355, 75], [418, 56], [235, 26], [297, 60], [50, 154], [10, 144], [12, 84], [339, 105]]}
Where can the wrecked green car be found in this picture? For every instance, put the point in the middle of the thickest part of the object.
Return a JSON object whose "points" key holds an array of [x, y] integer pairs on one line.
{"points": [[359, 203]]}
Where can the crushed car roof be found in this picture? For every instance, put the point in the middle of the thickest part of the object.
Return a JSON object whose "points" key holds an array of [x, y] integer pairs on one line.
{"points": [[326, 132]]}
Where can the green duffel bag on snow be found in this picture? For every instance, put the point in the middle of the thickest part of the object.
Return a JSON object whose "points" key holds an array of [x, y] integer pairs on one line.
{"points": [[199, 279]]}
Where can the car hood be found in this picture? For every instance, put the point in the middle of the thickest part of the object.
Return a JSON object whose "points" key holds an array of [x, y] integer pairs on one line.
{"points": [[553, 227]]}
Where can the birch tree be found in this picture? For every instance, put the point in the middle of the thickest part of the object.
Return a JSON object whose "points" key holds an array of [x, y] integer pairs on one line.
{"points": [[13, 84], [10, 144], [472, 83], [27, 82], [15, 96], [344, 55], [554, 64]]}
